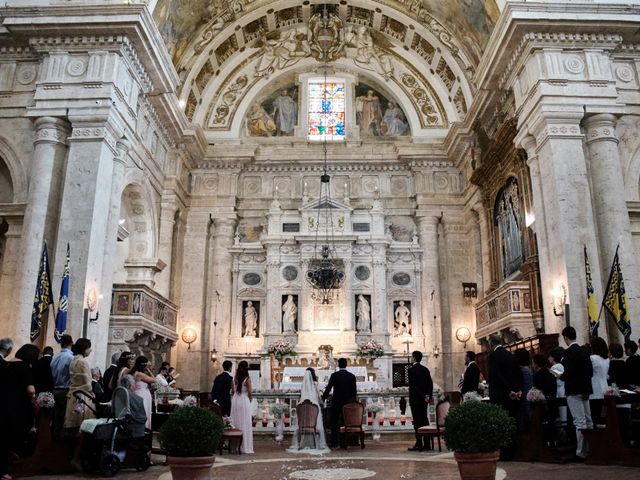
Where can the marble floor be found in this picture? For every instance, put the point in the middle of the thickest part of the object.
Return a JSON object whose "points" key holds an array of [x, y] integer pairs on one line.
{"points": [[388, 460]]}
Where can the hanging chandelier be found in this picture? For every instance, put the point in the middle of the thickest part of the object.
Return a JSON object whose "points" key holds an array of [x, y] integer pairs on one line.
{"points": [[325, 273]]}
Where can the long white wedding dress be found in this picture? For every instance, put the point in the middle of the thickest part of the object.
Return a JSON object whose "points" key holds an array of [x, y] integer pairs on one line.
{"points": [[307, 446]]}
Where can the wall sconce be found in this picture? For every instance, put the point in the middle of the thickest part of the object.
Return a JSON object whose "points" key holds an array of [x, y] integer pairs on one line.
{"points": [[469, 291], [559, 300], [214, 355], [189, 335], [529, 219], [93, 300], [436, 352], [463, 335]]}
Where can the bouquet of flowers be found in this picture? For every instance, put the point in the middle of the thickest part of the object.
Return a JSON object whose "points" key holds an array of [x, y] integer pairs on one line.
{"points": [[227, 423], [612, 391], [534, 395], [472, 397], [374, 408], [278, 409], [280, 348], [370, 349], [438, 393], [483, 387], [190, 401], [45, 400]]}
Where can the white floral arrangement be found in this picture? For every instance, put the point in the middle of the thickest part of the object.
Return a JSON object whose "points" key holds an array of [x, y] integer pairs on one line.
{"points": [[483, 387], [370, 349], [190, 401], [438, 393], [226, 420], [535, 396], [280, 348], [472, 396], [278, 409], [612, 391], [374, 408], [167, 391], [45, 400]]}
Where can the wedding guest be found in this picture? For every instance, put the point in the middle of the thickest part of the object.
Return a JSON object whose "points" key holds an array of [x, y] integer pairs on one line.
{"points": [[344, 386], [6, 345], [61, 380], [143, 377], [578, 371], [221, 389], [524, 361], [557, 369], [633, 362], [505, 384], [543, 379], [241, 406], [420, 391], [108, 375], [471, 377], [42, 371], [161, 377], [96, 386], [600, 365], [125, 363], [619, 376], [172, 376]]}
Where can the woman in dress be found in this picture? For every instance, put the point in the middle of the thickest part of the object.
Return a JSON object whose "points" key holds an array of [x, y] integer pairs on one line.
{"points": [[310, 392], [600, 363], [125, 363], [77, 412], [524, 360], [143, 377], [557, 369], [241, 406]]}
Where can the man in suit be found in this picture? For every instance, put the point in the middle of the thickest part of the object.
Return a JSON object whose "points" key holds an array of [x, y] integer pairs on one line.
{"points": [[578, 371], [420, 391], [471, 378], [6, 345], [343, 384], [221, 390], [505, 384], [633, 362], [42, 371]]}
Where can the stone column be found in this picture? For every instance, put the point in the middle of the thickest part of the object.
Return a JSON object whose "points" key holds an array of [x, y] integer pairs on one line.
{"points": [[349, 311], [271, 313], [84, 221], [41, 216], [168, 209], [485, 253], [10, 263], [610, 207], [379, 308]]}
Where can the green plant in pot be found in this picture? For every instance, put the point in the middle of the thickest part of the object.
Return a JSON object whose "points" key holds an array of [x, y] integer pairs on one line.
{"points": [[190, 436], [476, 431]]}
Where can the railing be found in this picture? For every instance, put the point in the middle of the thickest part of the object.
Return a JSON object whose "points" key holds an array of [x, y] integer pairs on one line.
{"points": [[507, 306], [141, 301]]}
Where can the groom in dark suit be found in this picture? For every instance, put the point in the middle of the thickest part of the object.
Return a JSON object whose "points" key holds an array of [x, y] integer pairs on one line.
{"points": [[344, 388], [420, 391], [221, 391]]}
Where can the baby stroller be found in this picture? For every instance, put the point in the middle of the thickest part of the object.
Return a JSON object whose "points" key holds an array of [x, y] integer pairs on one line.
{"points": [[117, 442]]}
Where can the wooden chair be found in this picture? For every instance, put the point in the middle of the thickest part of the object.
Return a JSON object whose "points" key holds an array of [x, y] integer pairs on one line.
{"points": [[352, 413], [231, 437], [307, 414], [435, 431]]}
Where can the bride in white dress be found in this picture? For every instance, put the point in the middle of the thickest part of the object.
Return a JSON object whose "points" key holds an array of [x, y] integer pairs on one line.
{"points": [[310, 391]]}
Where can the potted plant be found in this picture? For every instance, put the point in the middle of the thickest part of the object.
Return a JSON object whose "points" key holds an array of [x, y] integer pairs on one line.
{"points": [[475, 431], [190, 436]]}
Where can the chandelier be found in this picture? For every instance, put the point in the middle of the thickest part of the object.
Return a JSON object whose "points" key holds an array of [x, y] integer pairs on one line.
{"points": [[325, 274]]}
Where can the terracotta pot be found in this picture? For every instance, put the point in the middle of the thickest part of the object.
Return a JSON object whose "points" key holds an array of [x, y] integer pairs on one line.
{"points": [[477, 466], [191, 468]]}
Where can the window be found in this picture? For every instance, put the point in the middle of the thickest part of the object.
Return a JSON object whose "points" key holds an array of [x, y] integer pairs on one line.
{"points": [[326, 102]]}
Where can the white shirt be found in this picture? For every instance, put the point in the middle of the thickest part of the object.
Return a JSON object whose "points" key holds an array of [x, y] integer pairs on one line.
{"points": [[600, 375], [160, 380]]}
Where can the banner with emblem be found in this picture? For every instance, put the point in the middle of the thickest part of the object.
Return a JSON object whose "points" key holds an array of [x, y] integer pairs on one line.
{"points": [[61, 316], [615, 298], [592, 306], [43, 297]]}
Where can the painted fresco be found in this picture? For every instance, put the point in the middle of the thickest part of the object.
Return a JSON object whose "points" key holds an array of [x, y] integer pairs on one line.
{"points": [[379, 116], [276, 115]]}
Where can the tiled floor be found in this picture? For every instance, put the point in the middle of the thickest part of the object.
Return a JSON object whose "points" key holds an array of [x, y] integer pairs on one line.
{"points": [[388, 460]]}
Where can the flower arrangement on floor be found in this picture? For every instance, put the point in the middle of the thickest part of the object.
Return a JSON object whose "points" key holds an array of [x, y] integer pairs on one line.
{"points": [[190, 401], [280, 348], [278, 409], [472, 396], [438, 393], [612, 391], [374, 408], [535, 396], [483, 388], [370, 349], [45, 400], [226, 420]]}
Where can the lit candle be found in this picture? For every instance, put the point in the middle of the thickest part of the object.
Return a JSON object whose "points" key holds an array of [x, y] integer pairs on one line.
{"points": [[403, 419], [381, 418]]}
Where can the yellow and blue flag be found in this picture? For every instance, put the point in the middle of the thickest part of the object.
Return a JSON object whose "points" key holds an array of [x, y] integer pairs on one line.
{"points": [[43, 297], [63, 305], [592, 307], [615, 298]]}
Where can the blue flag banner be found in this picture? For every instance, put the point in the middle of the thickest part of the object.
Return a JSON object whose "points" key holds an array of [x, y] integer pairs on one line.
{"points": [[43, 297], [615, 299], [61, 316]]}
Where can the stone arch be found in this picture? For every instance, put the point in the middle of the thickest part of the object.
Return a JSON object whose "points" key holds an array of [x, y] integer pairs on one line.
{"points": [[12, 175]]}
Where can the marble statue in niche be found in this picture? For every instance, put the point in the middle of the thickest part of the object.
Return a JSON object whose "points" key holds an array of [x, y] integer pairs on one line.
{"points": [[401, 318], [363, 314], [377, 116], [289, 313], [276, 115], [508, 220], [251, 316]]}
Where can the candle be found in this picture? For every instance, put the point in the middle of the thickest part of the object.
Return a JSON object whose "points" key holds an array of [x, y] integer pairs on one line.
{"points": [[381, 418], [403, 419]]}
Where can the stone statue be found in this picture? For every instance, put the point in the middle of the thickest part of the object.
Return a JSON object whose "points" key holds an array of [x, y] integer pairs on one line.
{"points": [[285, 114], [327, 362], [250, 320], [401, 323], [369, 57], [280, 53], [363, 312], [290, 313]]}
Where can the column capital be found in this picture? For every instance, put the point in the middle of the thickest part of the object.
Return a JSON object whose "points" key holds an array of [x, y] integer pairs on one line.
{"points": [[601, 126], [51, 130], [428, 221], [528, 142], [224, 226]]}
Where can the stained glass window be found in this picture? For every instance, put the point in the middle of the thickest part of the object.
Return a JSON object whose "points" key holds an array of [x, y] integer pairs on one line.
{"points": [[326, 110]]}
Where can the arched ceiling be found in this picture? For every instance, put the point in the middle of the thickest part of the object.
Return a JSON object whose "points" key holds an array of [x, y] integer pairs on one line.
{"points": [[422, 53]]}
